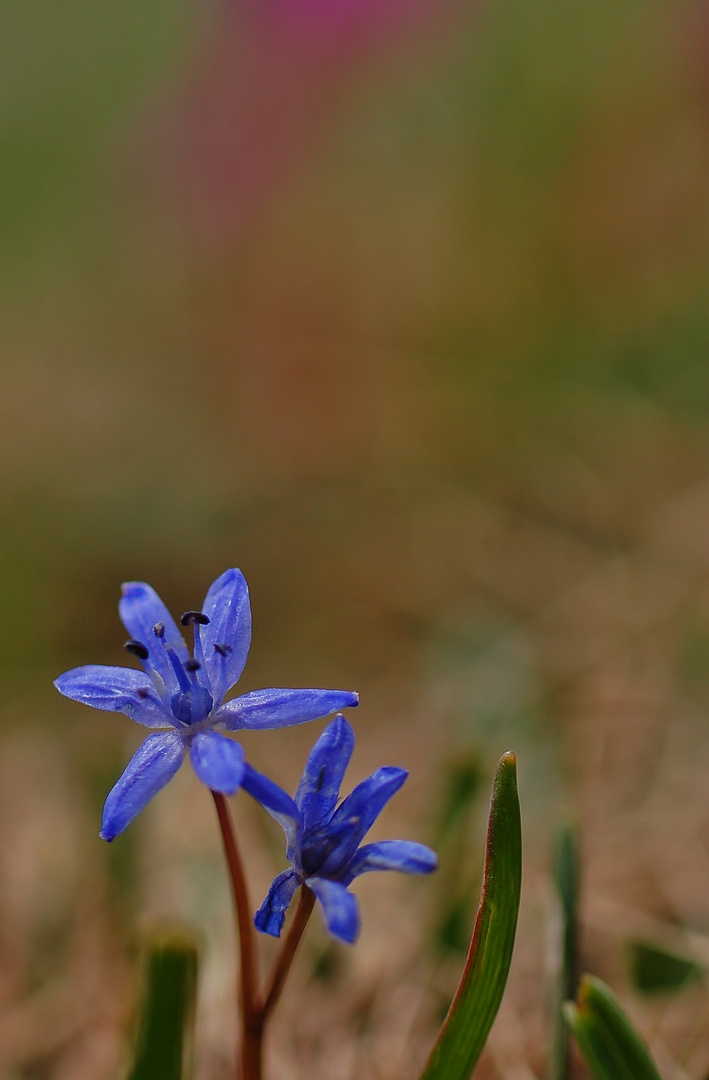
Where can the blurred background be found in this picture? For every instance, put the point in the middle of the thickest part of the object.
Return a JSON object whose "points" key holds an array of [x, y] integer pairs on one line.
{"points": [[401, 306]]}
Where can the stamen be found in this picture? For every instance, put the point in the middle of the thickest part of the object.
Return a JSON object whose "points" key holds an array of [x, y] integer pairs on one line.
{"points": [[194, 617], [136, 648], [222, 648], [191, 702], [179, 669], [197, 619]]}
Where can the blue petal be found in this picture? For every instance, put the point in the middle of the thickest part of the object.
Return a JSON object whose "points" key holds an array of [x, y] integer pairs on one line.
{"points": [[270, 916], [140, 609], [227, 637], [150, 768], [365, 802], [319, 788], [278, 803], [115, 689], [218, 761], [339, 907], [278, 707], [403, 855]]}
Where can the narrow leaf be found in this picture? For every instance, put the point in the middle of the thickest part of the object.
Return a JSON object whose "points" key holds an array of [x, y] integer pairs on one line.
{"points": [[477, 999], [612, 1047], [566, 882], [166, 1019]]}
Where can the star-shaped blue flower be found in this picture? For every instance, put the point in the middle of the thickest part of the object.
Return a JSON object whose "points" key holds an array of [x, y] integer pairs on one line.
{"points": [[323, 839], [183, 696]]}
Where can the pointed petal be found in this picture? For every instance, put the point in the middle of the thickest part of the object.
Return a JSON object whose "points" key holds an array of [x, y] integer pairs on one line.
{"points": [[218, 761], [150, 768], [140, 609], [319, 788], [339, 907], [278, 803], [269, 917], [403, 855], [355, 815], [115, 689], [227, 637], [366, 802], [278, 707]]}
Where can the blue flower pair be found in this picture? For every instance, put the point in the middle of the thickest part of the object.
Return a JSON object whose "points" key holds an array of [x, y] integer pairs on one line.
{"points": [[181, 697]]}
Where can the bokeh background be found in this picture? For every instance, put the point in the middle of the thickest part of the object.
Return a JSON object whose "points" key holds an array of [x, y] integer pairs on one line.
{"points": [[400, 306]]}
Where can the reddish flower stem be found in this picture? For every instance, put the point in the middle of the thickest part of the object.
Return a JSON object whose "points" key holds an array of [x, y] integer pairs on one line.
{"points": [[252, 1019], [284, 960]]}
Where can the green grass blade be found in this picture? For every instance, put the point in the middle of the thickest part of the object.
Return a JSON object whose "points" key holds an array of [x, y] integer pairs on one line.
{"points": [[482, 984], [166, 1020], [612, 1047], [566, 882]]}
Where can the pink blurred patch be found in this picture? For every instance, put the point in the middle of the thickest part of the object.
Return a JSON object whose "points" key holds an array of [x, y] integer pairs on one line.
{"points": [[265, 89]]}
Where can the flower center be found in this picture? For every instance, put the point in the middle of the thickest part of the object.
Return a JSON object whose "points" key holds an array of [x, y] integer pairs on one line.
{"points": [[191, 703], [191, 706], [327, 849], [315, 851]]}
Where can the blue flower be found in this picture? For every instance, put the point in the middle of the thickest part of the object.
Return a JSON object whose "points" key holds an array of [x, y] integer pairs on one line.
{"points": [[323, 839], [183, 696]]}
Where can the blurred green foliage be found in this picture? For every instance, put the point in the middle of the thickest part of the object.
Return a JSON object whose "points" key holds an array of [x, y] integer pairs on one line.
{"points": [[167, 1011], [68, 76], [656, 971], [566, 875], [608, 1040]]}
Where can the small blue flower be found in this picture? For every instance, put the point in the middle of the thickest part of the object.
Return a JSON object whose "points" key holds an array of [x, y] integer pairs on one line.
{"points": [[323, 839], [183, 696]]}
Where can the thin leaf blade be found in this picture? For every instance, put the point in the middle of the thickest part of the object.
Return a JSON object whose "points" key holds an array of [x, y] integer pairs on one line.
{"points": [[166, 1019], [567, 886], [477, 999], [612, 1047]]}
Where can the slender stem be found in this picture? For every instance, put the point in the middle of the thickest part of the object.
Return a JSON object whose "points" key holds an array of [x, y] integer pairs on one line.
{"points": [[251, 1018], [306, 902]]}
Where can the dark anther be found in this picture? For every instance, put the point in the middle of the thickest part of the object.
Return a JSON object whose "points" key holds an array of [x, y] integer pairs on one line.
{"points": [[192, 665], [143, 693], [137, 649], [159, 630], [222, 648], [194, 617]]}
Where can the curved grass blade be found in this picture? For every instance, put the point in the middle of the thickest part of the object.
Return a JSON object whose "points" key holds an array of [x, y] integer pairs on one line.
{"points": [[612, 1047], [166, 1022], [482, 983]]}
